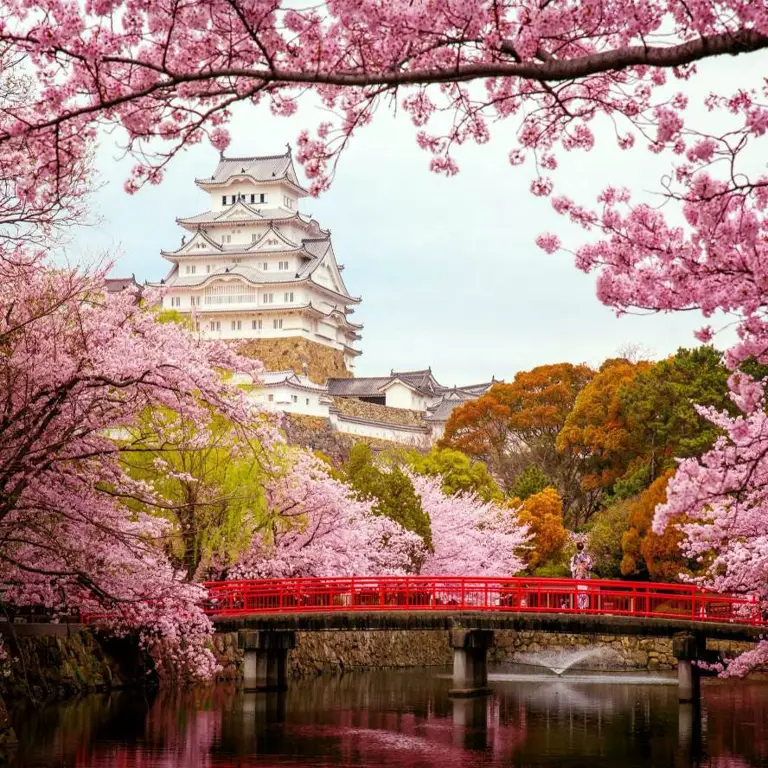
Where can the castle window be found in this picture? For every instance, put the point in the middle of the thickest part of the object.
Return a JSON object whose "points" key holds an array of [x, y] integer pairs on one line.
{"points": [[256, 325], [223, 199], [253, 198], [262, 198], [265, 266], [307, 401], [237, 325], [208, 268], [196, 301], [215, 325], [288, 298], [277, 323], [282, 265], [226, 239], [271, 398], [254, 237], [288, 202], [234, 199], [294, 398], [268, 298]]}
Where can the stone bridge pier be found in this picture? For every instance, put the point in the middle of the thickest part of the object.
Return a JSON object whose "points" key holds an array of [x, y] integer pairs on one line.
{"points": [[470, 661], [265, 658], [688, 648]]}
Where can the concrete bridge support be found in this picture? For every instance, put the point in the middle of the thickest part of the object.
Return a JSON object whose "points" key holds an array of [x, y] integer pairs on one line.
{"points": [[265, 662], [689, 648], [470, 661]]}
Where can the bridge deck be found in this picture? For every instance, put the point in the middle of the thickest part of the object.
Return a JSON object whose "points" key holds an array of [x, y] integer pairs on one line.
{"points": [[541, 622]]}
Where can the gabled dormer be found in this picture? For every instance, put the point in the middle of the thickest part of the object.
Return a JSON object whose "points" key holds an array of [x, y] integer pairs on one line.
{"points": [[327, 273], [272, 240], [200, 244]]}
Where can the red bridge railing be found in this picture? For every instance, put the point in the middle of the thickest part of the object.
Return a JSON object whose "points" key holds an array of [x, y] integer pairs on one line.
{"points": [[464, 593]]}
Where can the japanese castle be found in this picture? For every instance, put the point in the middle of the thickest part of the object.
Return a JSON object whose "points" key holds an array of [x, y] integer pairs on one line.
{"points": [[254, 270], [253, 267]]}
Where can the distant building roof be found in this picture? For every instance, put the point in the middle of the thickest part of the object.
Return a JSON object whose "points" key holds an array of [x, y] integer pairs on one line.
{"points": [[422, 381], [290, 378], [117, 284]]}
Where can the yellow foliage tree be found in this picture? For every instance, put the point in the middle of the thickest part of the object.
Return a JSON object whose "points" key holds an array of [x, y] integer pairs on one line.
{"points": [[543, 514]]}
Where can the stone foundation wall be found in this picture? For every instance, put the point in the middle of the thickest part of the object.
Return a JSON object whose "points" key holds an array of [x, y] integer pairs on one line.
{"points": [[318, 652], [55, 663], [317, 434], [384, 414], [298, 355]]}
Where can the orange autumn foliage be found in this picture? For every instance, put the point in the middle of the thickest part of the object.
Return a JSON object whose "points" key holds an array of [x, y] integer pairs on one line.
{"points": [[515, 425], [543, 514], [646, 551], [596, 428]]}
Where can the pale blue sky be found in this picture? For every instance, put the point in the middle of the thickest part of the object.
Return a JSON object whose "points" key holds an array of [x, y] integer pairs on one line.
{"points": [[448, 269]]}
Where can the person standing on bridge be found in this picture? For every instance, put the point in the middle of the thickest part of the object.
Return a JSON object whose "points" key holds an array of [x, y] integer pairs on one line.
{"points": [[581, 569]]}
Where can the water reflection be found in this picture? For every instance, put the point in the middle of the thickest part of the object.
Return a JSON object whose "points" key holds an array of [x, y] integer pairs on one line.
{"points": [[405, 719]]}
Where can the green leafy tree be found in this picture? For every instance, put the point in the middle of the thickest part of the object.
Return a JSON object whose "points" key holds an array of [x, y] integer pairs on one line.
{"points": [[459, 473], [391, 491], [210, 478], [530, 481], [605, 532], [658, 408]]}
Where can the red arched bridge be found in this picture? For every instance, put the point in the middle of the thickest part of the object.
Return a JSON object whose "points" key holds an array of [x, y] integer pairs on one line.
{"points": [[266, 613], [468, 593]]}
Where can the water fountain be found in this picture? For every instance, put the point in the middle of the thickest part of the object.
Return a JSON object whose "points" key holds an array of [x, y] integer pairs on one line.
{"points": [[561, 660], [552, 666]]}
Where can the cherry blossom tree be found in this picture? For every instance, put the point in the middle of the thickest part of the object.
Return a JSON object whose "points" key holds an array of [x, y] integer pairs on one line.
{"points": [[470, 537], [724, 496], [318, 527], [73, 381]]}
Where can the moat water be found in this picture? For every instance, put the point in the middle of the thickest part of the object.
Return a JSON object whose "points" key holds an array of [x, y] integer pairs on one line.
{"points": [[406, 718]]}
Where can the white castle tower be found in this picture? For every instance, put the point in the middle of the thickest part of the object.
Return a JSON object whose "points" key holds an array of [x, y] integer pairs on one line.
{"points": [[253, 267]]}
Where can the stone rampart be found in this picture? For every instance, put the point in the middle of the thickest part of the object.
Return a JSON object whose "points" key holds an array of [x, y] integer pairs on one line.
{"points": [[57, 662], [299, 355]]}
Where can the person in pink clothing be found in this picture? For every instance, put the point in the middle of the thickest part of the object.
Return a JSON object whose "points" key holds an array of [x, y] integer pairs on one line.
{"points": [[581, 568]]}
